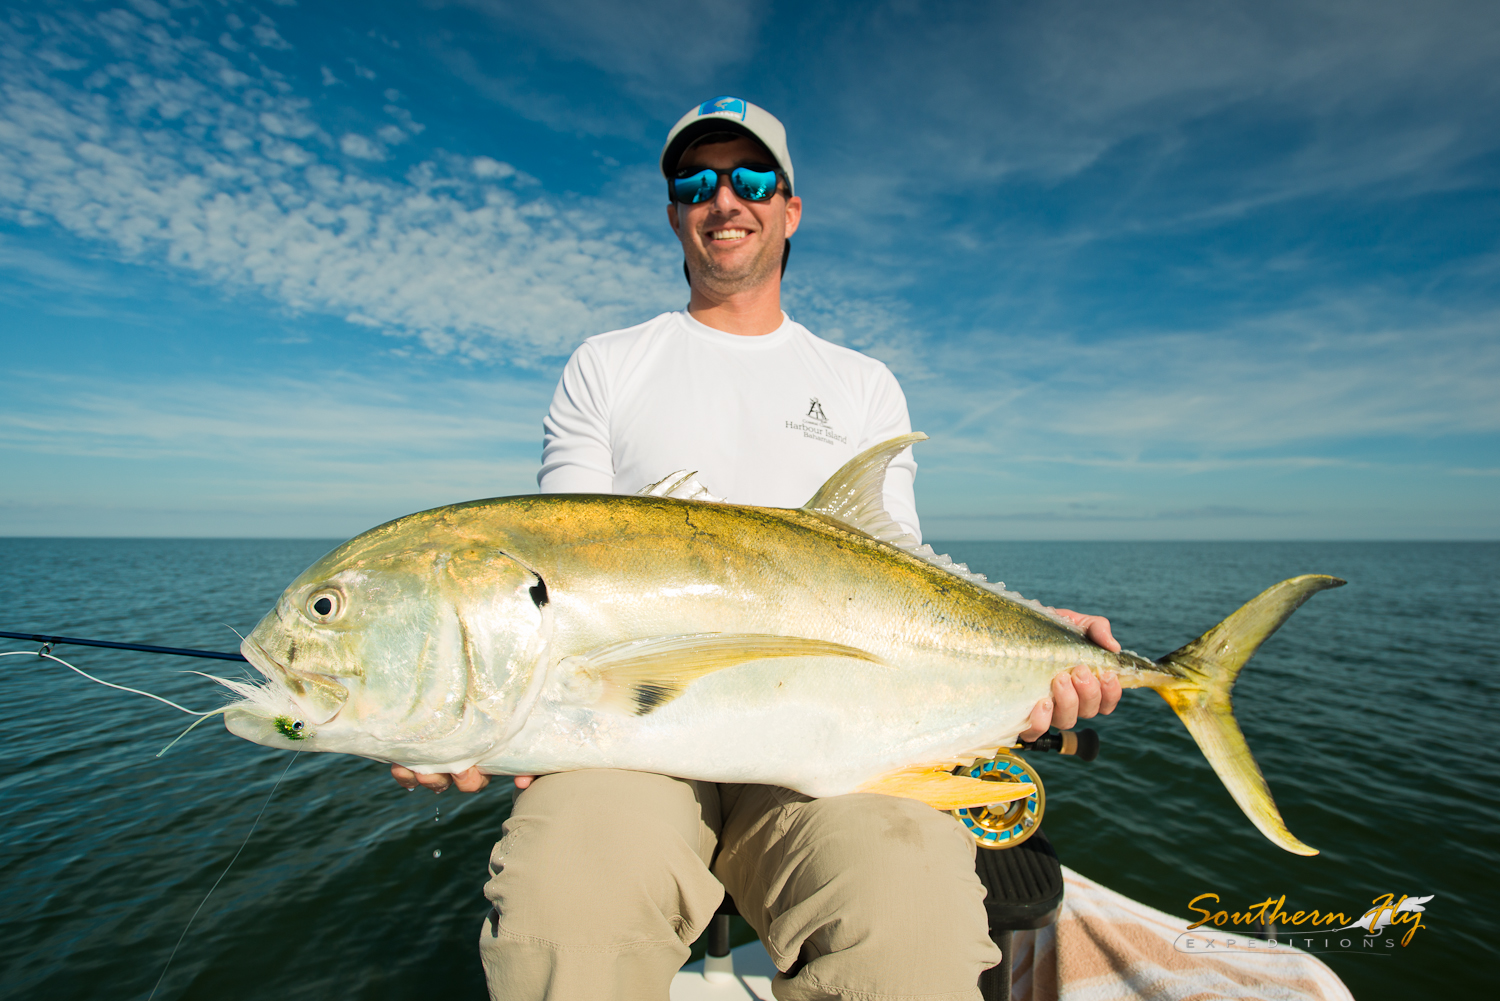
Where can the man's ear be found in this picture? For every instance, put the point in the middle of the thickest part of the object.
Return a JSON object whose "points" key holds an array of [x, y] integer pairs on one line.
{"points": [[672, 217], [793, 215]]}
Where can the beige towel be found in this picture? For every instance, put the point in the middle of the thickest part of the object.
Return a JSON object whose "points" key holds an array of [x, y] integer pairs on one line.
{"points": [[1107, 947]]}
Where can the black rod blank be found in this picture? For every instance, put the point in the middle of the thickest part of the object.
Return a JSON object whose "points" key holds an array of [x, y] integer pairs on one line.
{"points": [[142, 647], [1083, 743]]}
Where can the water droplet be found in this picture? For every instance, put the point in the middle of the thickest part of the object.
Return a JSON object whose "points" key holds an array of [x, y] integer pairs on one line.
{"points": [[437, 853]]}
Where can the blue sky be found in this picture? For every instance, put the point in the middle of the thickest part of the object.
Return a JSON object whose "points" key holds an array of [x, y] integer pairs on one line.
{"points": [[1146, 270]]}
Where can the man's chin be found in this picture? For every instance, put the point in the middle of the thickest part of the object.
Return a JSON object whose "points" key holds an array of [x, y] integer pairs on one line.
{"points": [[734, 275]]}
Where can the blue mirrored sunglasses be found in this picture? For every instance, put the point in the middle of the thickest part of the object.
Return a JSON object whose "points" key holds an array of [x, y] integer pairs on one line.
{"points": [[753, 184]]}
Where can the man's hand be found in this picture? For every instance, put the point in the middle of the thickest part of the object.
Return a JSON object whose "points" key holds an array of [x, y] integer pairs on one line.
{"points": [[1078, 694], [469, 780]]}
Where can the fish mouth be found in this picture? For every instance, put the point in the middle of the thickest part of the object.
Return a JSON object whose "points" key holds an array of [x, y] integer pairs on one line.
{"points": [[319, 697]]}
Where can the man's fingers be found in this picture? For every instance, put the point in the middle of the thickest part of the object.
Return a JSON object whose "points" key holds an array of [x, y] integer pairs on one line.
{"points": [[1065, 702], [409, 779], [1041, 719], [1109, 692], [471, 779], [1097, 631], [1087, 688], [1076, 695], [1095, 628], [522, 781]]}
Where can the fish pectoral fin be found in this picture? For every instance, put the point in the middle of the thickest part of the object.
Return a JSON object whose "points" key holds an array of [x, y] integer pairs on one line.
{"points": [[944, 790], [640, 675]]}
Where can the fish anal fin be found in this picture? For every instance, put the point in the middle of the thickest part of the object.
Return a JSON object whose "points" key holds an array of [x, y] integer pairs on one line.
{"points": [[638, 676], [945, 791]]}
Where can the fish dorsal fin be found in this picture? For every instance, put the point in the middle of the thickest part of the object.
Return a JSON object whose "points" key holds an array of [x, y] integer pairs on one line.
{"points": [[681, 485], [637, 676], [855, 495]]}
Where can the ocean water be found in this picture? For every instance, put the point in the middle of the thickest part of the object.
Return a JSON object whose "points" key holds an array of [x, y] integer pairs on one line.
{"points": [[1370, 713]]}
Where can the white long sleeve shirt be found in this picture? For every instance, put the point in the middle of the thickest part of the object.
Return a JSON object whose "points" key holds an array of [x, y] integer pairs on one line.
{"points": [[763, 420]]}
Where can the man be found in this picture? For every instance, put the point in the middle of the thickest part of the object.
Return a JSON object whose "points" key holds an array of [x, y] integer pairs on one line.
{"points": [[604, 878]]}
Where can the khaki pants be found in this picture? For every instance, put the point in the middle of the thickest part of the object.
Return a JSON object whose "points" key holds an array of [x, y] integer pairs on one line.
{"points": [[605, 878]]}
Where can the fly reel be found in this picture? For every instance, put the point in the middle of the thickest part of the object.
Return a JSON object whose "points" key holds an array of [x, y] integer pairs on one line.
{"points": [[1004, 825]]}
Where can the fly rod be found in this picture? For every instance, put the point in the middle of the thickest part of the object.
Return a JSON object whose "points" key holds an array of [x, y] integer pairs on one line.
{"points": [[52, 641]]}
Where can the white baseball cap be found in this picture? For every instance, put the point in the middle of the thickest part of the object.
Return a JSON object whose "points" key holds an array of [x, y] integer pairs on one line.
{"points": [[728, 114]]}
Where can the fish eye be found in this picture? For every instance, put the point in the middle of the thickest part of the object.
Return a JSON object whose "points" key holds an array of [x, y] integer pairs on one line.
{"points": [[325, 606]]}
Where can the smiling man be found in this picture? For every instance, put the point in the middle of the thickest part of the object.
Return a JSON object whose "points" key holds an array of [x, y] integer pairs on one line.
{"points": [[604, 878]]}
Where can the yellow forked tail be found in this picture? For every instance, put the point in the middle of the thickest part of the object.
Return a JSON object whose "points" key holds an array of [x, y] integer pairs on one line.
{"points": [[1204, 671]]}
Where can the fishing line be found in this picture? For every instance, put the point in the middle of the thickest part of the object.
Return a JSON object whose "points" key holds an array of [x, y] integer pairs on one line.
{"points": [[134, 691], [211, 889], [195, 722], [107, 684], [189, 730]]}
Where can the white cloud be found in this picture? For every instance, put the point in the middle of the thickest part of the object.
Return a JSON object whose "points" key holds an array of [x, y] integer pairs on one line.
{"points": [[1288, 390], [174, 155], [266, 35], [652, 45], [361, 148], [404, 117], [279, 423], [151, 9], [485, 167], [342, 452]]}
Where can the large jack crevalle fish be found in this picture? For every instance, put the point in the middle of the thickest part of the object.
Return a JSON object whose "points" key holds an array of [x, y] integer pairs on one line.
{"points": [[819, 649]]}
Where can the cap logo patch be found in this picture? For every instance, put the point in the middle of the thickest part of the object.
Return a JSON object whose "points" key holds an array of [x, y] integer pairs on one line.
{"points": [[723, 106]]}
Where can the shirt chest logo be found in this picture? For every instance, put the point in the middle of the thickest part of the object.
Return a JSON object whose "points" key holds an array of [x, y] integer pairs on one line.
{"points": [[814, 424]]}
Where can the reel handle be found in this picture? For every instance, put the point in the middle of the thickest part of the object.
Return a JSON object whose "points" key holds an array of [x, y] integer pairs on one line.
{"points": [[1084, 744]]}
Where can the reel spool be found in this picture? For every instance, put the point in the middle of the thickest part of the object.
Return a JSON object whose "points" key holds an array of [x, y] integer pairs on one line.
{"points": [[1003, 825]]}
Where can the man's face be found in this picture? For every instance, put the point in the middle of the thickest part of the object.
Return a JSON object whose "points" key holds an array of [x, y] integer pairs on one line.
{"points": [[730, 244]]}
